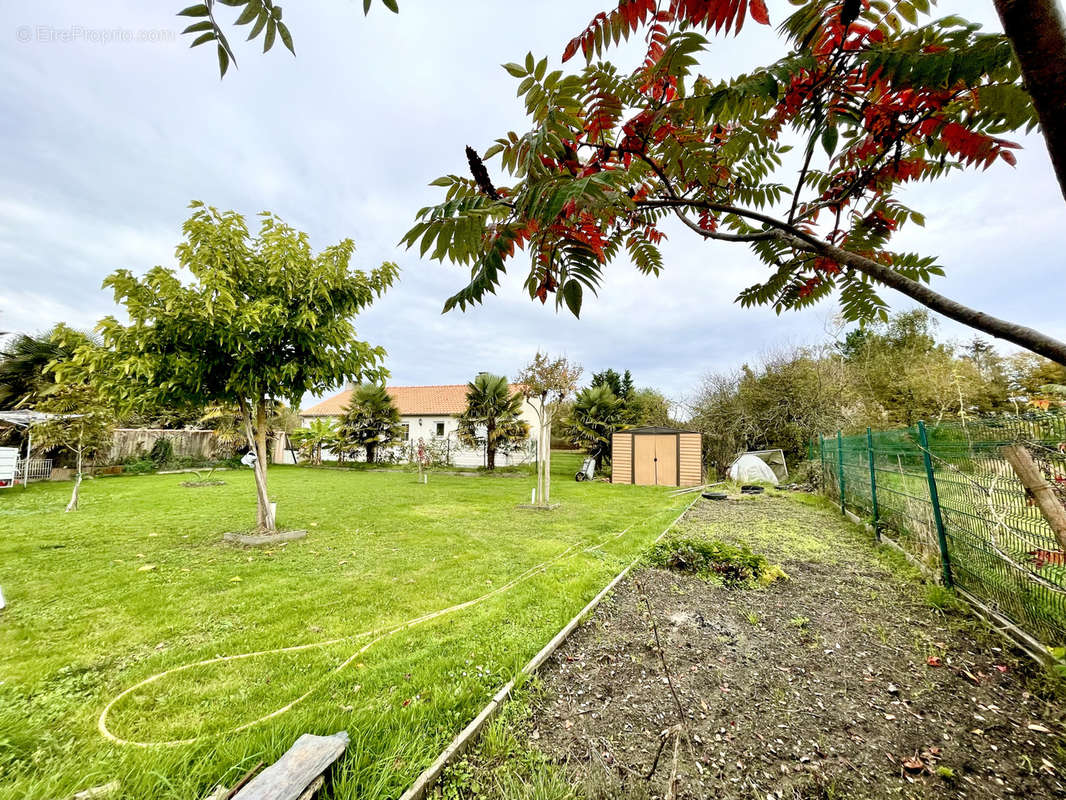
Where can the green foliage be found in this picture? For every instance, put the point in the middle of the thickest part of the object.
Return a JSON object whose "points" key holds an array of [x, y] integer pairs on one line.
{"points": [[371, 421], [732, 565], [264, 17], [162, 451], [318, 435], [26, 364], [595, 415], [492, 418], [259, 319], [610, 153]]}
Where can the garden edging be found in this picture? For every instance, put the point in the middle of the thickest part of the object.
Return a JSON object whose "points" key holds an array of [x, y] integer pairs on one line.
{"points": [[425, 781]]}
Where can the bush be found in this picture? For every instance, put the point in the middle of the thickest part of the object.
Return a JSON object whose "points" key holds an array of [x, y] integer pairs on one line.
{"points": [[733, 566], [162, 451], [139, 466]]}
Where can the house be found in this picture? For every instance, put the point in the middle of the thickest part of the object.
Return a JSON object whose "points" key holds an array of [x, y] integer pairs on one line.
{"points": [[431, 413]]}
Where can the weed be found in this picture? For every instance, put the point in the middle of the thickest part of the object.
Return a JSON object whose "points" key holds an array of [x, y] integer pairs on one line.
{"points": [[943, 599], [800, 622], [947, 773], [753, 618], [732, 565]]}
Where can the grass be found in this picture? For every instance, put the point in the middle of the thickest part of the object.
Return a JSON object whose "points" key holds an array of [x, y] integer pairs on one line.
{"points": [[86, 621]]}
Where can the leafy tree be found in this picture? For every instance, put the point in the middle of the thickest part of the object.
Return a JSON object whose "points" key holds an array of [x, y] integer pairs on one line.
{"points": [[639, 406], [876, 101], [82, 425], [492, 418], [25, 377], [371, 421], [902, 374], [648, 407], [1035, 380], [620, 384], [258, 319], [318, 435], [596, 414], [263, 15], [546, 383]]}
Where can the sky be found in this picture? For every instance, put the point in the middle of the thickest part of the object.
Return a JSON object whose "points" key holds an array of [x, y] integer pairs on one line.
{"points": [[110, 125]]}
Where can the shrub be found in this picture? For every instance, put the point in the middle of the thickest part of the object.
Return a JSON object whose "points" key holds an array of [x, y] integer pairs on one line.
{"points": [[733, 566], [162, 451]]}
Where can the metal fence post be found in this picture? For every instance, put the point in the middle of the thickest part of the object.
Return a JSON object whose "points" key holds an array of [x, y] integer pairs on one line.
{"points": [[873, 480], [934, 498], [840, 468]]}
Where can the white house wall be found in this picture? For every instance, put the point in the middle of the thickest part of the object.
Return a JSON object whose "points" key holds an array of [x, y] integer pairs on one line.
{"points": [[425, 426]]}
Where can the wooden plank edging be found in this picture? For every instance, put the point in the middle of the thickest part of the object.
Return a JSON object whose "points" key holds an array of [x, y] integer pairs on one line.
{"points": [[424, 782]]}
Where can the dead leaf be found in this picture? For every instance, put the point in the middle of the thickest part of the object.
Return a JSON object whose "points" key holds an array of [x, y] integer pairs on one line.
{"points": [[146, 568], [1034, 726], [934, 661], [235, 579], [913, 764]]}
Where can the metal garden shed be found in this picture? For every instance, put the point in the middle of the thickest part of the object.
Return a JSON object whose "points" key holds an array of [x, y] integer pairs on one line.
{"points": [[654, 456]]}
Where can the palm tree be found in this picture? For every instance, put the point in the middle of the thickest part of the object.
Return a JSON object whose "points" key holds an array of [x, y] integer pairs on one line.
{"points": [[24, 379], [493, 417], [597, 413], [319, 434], [370, 421]]}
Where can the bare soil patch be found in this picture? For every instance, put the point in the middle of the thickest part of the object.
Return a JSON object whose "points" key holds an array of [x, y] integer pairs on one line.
{"points": [[843, 681]]}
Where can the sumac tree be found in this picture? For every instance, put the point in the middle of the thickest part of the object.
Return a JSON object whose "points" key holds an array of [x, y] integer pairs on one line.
{"points": [[874, 99]]}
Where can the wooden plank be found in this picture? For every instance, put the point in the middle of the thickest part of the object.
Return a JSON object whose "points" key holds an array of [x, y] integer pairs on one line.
{"points": [[291, 775], [1043, 495]]}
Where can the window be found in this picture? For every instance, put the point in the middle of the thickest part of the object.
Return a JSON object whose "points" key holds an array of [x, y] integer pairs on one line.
{"points": [[405, 435], [440, 429]]}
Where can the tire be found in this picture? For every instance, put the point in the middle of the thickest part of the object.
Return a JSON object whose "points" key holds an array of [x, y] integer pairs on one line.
{"points": [[750, 488], [580, 476], [715, 495]]}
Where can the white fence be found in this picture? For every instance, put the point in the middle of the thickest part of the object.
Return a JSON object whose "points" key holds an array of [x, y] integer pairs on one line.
{"points": [[39, 469]]}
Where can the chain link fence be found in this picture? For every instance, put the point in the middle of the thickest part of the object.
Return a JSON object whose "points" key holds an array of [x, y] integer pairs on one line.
{"points": [[951, 495]]}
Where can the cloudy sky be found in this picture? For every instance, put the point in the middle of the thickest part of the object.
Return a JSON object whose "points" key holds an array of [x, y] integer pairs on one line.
{"points": [[103, 143]]}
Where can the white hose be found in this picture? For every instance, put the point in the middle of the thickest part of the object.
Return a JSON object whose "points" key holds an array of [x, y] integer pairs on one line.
{"points": [[378, 634]]}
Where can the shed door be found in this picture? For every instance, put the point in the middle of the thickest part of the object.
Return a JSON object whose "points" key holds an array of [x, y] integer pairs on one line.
{"points": [[666, 459], [655, 460]]}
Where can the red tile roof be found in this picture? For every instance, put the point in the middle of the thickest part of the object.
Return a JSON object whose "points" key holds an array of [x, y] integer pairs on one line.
{"points": [[410, 400]]}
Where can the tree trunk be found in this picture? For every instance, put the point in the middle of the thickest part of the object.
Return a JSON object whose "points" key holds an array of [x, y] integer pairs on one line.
{"points": [[548, 457], [1020, 335], [1038, 34], [370, 452], [490, 446], [264, 519], [73, 504]]}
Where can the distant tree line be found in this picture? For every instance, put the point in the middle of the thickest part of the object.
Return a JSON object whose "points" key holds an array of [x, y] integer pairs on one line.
{"points": [[885, 375]]}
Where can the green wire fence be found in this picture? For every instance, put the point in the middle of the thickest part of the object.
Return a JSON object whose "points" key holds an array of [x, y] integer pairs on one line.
{"points": [[947, 494]]}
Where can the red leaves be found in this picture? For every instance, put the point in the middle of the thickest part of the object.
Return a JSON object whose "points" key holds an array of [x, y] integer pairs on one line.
{"points": [[630, 15], [976, 149], [1041, 558]]}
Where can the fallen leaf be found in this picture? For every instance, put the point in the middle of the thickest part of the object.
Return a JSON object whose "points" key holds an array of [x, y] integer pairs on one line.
{"points": [[934, 661], [235, 579], [146, 568], [913, 764], [1033, 726]]}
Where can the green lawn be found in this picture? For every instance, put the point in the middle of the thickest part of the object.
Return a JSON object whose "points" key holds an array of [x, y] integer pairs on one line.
{"points": [[85, 622]]}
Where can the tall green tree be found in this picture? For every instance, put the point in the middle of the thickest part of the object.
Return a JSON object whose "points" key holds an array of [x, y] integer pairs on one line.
{"points": [[493, 417], [596, 414], [371, 420], [258, 318]]}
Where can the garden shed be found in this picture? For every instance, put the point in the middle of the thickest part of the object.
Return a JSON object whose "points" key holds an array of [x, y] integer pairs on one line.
{"points": [[654, 456]]}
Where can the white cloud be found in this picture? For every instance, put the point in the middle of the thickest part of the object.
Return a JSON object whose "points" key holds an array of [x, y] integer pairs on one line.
{"points": [[105, 145]]}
